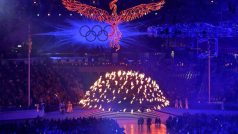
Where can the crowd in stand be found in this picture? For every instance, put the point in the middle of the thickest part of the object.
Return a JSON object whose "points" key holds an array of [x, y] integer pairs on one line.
{"points": [[53, 83], [49, 85], [13, 84], [202, 124], [66, 126]]}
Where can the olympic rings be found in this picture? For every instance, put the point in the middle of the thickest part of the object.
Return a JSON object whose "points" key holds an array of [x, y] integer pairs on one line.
{"points": [[96, 32]]}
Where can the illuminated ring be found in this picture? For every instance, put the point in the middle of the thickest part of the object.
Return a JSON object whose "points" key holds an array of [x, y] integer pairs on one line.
{"points": [[86, 33], [105, 28], [105, 33], [94, 29], [100, 33], [91, 33]]}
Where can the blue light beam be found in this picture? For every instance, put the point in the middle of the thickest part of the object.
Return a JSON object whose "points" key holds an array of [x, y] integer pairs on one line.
{"points": [[92, 34]]}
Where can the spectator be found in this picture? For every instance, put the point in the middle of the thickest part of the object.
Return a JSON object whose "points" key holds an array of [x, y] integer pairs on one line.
{"points": [[148, 123], [80, 125], [201, 123]]}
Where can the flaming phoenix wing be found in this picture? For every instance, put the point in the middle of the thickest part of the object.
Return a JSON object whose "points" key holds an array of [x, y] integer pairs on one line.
{"points": [[139, 11], [87, 10]]}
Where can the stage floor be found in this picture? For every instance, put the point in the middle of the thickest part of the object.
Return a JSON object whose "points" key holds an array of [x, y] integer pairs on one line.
{"points": [[125, 120]]}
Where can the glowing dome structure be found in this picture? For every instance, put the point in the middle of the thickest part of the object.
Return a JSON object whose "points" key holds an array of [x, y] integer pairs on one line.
{"points": [[125, 91]]}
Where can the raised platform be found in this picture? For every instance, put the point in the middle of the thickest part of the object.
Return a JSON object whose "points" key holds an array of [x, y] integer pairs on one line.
{"points": [[164, 114]]}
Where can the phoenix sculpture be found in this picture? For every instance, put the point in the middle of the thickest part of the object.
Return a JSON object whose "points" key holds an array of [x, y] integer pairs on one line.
{"points": [[113, 19]]}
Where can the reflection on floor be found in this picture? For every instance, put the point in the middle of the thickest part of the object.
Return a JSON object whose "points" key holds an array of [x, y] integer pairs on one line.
{"points": [[131, 127]]}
